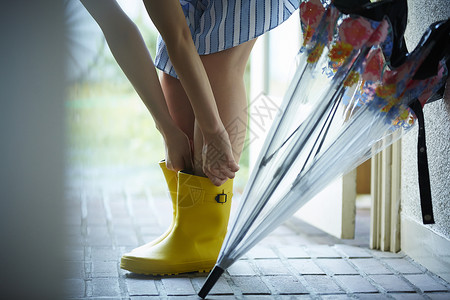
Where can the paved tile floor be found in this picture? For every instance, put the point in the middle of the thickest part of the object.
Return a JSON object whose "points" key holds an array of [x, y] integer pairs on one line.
{"points": [[296, 261]]}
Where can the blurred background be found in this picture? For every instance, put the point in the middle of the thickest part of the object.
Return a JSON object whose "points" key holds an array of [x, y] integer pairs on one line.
{"points": [[71, 122]]}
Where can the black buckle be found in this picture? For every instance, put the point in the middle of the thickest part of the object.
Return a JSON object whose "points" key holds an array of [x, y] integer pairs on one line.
{"points": [[220, 199]]}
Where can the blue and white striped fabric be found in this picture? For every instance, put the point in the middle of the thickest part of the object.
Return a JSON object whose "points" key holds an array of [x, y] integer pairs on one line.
{"points": [[217, 25]]}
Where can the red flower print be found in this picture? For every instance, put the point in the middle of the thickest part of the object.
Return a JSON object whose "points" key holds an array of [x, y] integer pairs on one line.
{"points": [[307, 35], [340, 51], [355, 32], [351, 78], [430, 85], [373, 66], [331, 19], [384, 91], [315, 54], [311, 12], [380, 34]]}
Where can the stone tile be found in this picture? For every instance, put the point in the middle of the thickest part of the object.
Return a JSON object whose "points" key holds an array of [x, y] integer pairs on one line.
{"points": [[285, 285], [256, 297], [282, 230], [271, 267], [370, 266], [336, 266], [356, 284], [293, 252], [250, 285], [377, 296], [151, 230], [88, 269], [141, 287], [178, 286], [261, 252], [98, 236], [353, 251], [104, 254], [385, 254], [438, 296], [241, 268], [122, 221], [402, 266], [96, 219], [392, 283], [298, 240], [147, 220], [145, 298], [74, 288], [105, 287], [426, 283], [118, 208], [218, 297], [336, 297], [295, 297], [408, 296], [322, 251], [104, 268], [323, 240], [271, 241], [306, 266], [220, 288], [128, 239], [322, 284]]}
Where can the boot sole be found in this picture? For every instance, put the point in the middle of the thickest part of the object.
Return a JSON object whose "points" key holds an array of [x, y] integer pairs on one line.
{"points": [[146, 267]]}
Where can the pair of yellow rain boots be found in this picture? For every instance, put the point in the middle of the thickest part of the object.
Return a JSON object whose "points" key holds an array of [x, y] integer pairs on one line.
{"points": [[192, 243]]}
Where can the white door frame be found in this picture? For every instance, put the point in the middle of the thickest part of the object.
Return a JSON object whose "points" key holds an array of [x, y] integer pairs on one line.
{"points": [[385, 194]]}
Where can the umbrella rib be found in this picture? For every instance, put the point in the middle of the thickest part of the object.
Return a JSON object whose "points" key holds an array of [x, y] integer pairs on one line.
{"points": [[320, 136], [265, 158]]}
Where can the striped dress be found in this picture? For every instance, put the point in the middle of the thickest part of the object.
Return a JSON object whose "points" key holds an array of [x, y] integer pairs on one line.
{"points": [[217, 25]]}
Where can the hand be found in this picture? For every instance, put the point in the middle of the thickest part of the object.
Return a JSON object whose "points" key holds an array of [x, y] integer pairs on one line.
{"points": [[218, 160], [178, 151]]}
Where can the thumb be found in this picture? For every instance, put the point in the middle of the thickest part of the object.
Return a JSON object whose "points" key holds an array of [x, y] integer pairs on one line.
{"points": [[232, 164]]}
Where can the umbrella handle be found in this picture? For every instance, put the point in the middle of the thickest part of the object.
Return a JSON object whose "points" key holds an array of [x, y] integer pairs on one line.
{"points": [[213, 276]]}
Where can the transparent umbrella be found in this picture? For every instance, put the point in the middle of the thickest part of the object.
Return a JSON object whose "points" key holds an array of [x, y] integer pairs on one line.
{"points": [[321, 135]]}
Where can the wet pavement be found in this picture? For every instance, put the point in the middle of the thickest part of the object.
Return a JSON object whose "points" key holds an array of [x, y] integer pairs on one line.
{"points": [[112, 210]]}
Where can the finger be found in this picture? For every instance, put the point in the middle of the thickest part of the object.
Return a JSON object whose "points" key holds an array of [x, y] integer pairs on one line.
{"points": [[228, 173], [214, 174], [234, 167], [217, 182], [169, 164], [176, 164], [216, 170], [177, 167], [214, 179]]}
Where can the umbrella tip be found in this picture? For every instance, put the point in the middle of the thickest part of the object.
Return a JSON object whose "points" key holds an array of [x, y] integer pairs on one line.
{"points": [[213, 276]]}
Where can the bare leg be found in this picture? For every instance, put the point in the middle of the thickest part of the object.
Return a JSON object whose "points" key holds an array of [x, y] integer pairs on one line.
{"points": [[178, 103], [225, 71]]}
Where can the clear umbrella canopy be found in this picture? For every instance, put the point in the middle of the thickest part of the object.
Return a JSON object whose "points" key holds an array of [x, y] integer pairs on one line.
{"points": [[345, 103]]}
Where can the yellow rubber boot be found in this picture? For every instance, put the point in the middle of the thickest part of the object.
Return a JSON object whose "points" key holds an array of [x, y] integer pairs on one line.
{"points": [[172, 184], [171, 178], [200, 226]]}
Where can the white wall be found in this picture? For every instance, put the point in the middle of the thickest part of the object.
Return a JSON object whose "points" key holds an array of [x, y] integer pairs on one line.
{"points": [[429, 244]]}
